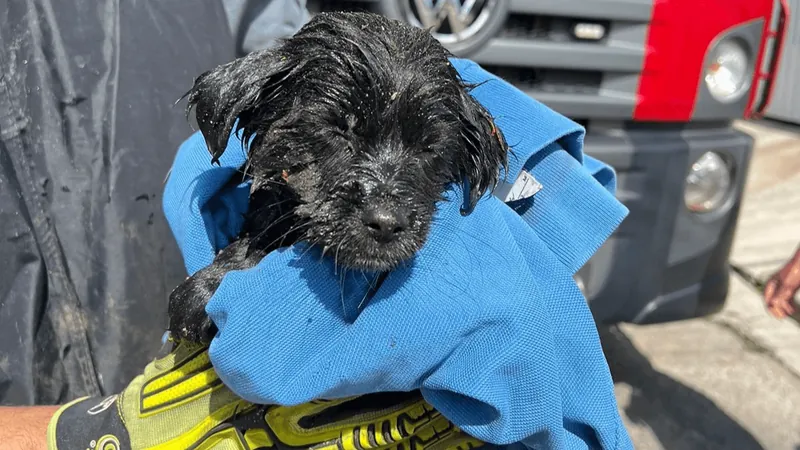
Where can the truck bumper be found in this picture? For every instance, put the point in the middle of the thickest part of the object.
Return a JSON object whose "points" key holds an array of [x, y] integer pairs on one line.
{"points": [[664, 263]]}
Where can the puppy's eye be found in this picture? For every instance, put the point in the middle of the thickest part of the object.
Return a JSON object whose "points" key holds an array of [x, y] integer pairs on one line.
{"points": [[346, 123], [341, 124]]}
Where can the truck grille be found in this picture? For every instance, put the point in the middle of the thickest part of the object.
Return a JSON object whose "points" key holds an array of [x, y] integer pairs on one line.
{"points": [[536, 50], [541, 27], [550, 81]]}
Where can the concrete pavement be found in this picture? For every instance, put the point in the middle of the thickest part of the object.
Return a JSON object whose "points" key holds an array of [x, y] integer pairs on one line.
{"points": [[730, 381], [704, 383], [768, 231]]}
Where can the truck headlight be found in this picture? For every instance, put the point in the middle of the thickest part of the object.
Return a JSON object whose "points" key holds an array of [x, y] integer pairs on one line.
{"points": [[707, 184], [728, 76]]}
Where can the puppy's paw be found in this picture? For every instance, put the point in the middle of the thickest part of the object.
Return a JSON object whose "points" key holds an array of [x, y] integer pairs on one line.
{"points": [[187, 303], [198, 329], [187, 310]]}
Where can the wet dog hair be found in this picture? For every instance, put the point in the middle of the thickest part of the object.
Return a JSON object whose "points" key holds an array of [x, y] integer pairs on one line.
{"points": [[355, 127]]}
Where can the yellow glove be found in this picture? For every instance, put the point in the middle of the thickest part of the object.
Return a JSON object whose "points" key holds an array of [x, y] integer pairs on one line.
{"points": [[180, 403]]}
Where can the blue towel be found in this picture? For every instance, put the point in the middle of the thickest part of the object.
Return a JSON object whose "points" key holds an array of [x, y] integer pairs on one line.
{"points": [[487, 321]]}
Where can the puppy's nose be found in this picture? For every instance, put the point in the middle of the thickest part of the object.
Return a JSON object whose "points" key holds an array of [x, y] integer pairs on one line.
{"points": [[384, 223]]}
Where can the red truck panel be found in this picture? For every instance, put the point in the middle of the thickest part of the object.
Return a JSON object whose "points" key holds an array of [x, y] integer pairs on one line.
{"points": [[680, 34]]}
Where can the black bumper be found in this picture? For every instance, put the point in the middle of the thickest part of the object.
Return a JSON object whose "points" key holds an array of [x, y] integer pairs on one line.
{"points": [[664, 263]]}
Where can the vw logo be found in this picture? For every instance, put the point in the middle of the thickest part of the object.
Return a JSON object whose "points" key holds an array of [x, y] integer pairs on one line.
{"points": [[460, 25]]}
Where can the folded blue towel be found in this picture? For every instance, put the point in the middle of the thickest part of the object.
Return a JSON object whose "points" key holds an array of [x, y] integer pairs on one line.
{"points": [[487, 321]]}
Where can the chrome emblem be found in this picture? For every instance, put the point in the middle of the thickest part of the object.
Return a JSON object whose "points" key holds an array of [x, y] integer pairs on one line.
{"points": [[450, 21]]}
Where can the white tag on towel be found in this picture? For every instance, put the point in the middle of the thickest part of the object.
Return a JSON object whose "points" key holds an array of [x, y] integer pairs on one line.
{"points": [[526, 186]]}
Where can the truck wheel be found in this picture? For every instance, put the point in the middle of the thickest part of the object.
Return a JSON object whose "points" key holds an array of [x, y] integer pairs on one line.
{"points": [[490, 18]]}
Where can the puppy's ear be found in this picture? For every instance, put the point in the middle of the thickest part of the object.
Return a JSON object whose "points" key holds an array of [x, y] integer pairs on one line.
{"points": [[485, 151], [239, 90]]}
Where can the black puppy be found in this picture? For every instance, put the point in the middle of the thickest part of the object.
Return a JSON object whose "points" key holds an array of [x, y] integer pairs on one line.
{"points": [[355, 127]]}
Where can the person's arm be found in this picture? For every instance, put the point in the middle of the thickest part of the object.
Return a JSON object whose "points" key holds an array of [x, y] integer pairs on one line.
{"points": [[25, 427], [258, 24], [781, 288]]}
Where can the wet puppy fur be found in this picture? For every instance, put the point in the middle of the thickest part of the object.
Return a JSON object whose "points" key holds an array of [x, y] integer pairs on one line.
{"points": [[356, 127]]}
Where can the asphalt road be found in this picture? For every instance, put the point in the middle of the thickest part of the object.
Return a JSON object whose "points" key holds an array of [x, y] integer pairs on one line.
{"points": [[730, 381]]}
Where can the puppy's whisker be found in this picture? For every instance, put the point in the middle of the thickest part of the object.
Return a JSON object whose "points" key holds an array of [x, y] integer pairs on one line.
{"points": [[266, 207], [342, 276], [273, 224], [309, 247], [278, 219], [364, 299], [272, 205], [373, 283], [271, 245], [284, 235], [325, 249], [336, 257], [298, 227]]}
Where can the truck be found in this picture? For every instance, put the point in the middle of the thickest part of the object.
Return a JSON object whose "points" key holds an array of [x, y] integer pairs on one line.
{"points": [[658, 85]]}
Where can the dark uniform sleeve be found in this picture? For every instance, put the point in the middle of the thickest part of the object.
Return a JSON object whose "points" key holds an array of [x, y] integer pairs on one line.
{"points": [[258, 24]]}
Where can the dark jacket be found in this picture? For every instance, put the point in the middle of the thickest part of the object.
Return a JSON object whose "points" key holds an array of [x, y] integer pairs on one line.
{"points": [[87, 134]]}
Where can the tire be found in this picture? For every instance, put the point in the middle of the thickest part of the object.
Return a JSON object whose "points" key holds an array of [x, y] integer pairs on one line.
{"points": [[399, 9]]}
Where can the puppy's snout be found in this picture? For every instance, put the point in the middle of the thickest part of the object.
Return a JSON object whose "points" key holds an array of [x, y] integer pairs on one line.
{"points": [[385, 223]]}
